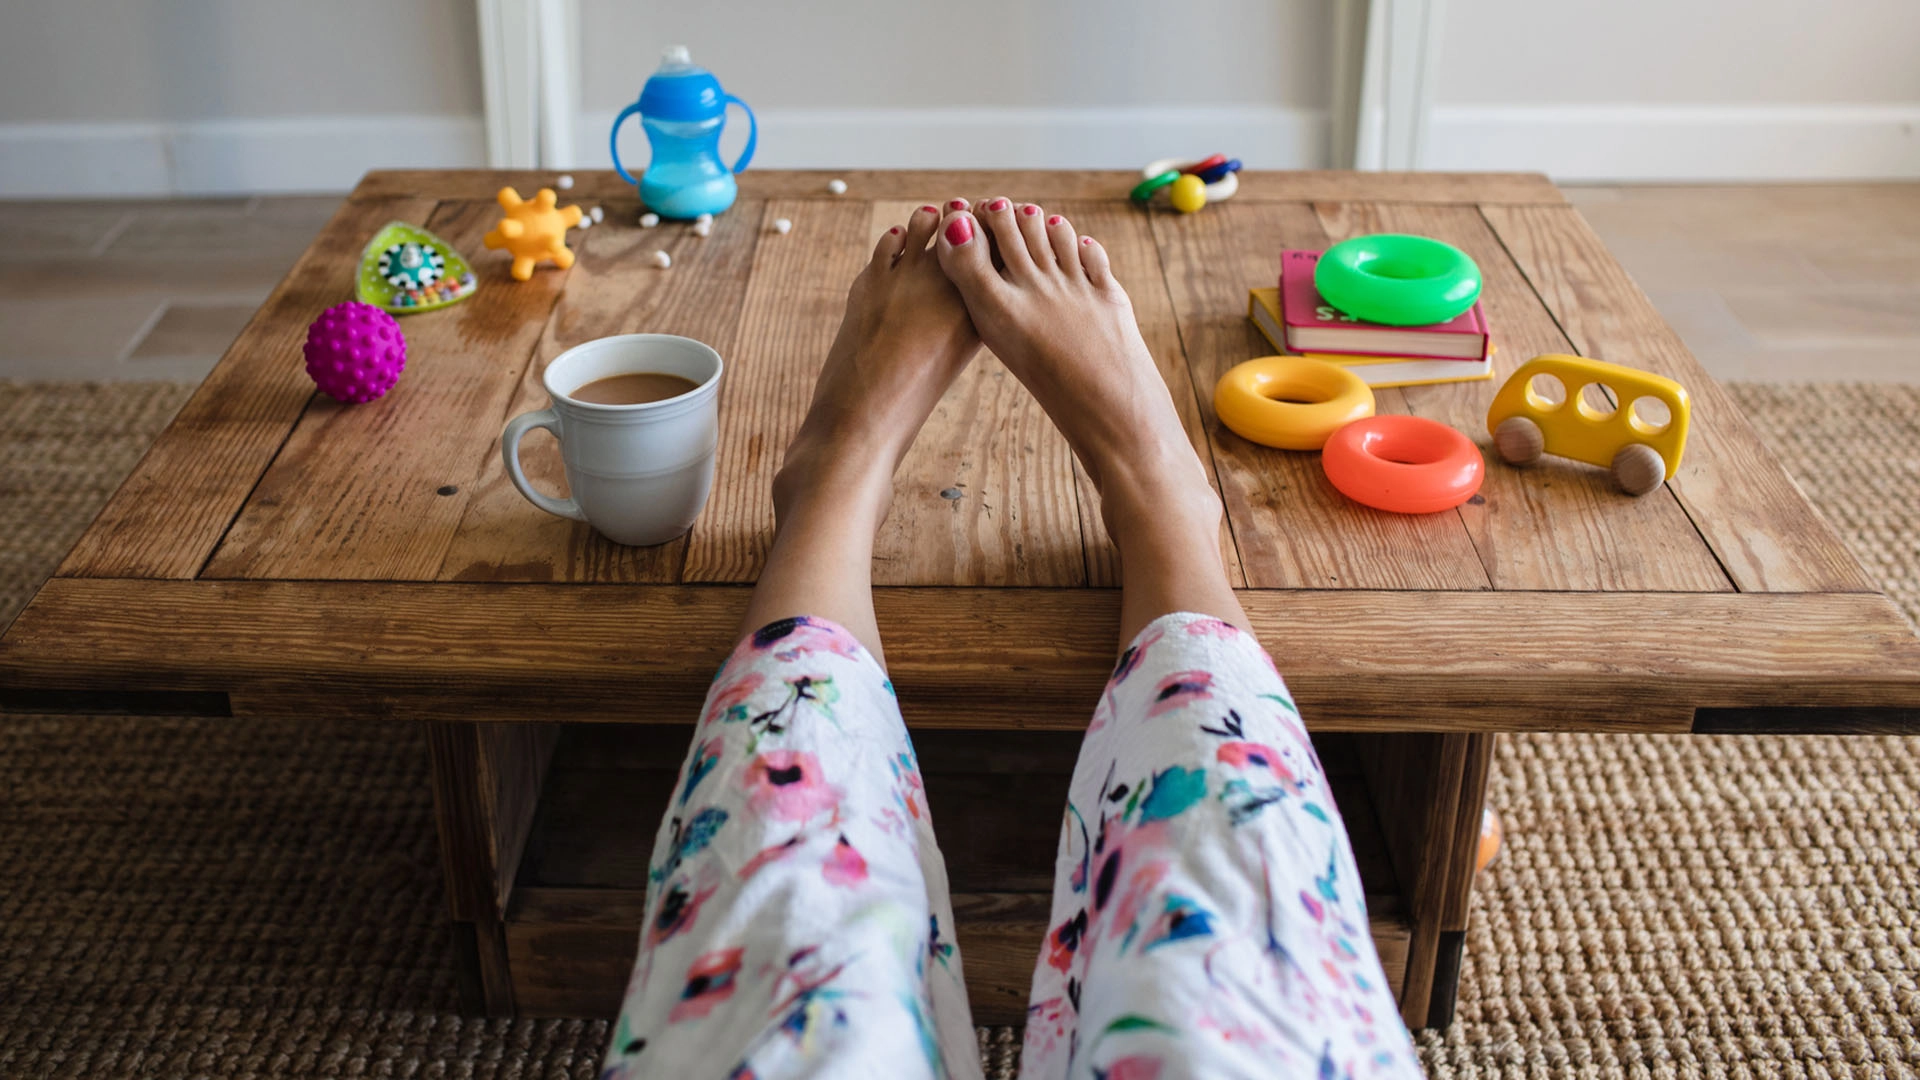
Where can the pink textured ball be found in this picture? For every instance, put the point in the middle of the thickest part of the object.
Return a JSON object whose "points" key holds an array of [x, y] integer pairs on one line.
{"points": [[355, 352]]}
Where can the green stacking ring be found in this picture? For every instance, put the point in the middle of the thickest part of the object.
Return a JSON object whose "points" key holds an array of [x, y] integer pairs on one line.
{"points": [[1144, 189], [1398, 280]]}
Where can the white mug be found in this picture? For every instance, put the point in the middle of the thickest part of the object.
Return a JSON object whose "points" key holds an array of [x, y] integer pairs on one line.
{"points": [[639, 474]]}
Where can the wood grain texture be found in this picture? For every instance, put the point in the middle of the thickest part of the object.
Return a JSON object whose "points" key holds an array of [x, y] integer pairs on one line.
{"points": [[1292, 529], [1760, 526], [613, 288], [171, 511], [986, 494], [966, 658], [375, 491], [794, 300], [1557, 524], [1126, 233], [936, 185]]}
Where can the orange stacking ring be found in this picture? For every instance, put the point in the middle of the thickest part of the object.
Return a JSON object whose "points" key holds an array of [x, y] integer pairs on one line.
{"points": [[1405, 464]]}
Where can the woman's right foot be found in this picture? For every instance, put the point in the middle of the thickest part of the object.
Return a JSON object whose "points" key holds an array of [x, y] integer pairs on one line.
{"points": [[1053, 312]]}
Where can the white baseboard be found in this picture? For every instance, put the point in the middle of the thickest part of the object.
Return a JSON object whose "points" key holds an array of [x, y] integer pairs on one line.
{"points": [[1629, 143], [1680, 143], [226, 157], [1263, 136]]}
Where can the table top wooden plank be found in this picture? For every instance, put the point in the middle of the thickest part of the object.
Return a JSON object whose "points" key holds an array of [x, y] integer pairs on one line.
{"points": [[168, 515], [613, 288], [1558, 524], [936, 185], [964, 657], [1127, 236], [1760, 526], [985, 496], [1292, 529], [795, 296], [375, 491]]}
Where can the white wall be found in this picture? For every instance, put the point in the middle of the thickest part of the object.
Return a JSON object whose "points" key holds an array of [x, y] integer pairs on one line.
{"points": [[159, 96], [1681, 89], [169, 96], [1063, 83]]}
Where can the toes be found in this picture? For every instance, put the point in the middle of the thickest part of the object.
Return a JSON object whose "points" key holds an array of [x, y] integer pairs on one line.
{"points": [[1093, 258], [1033, 229], [997, 217], [1061, 238], [889, 246], [920, 228], [962, 249]]}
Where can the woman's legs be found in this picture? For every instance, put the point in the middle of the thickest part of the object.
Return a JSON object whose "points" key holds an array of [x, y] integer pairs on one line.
{"points": [[1207, 919], [798, 923]]}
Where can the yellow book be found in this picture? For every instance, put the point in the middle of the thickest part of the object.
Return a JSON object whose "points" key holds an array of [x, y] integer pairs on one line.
{"points": [[1379, 372]]}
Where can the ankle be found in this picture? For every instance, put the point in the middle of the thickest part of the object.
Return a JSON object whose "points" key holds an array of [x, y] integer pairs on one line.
{"points": [[1165, 510], [833, 477]]}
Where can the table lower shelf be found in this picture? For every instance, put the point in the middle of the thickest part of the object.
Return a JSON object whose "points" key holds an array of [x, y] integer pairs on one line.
{"points": [[573, 918]]}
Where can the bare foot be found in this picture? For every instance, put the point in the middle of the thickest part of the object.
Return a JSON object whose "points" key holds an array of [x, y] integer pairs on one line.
{"points": [[905, 337], [1046, 302]]}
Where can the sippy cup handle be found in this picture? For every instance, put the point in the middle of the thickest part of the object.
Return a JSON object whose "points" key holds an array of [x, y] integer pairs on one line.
{"points": [[613, 140], [753, 135]]}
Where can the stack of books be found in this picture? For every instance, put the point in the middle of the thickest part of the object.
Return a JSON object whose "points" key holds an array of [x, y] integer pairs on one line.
{"points": [[1295, 319]]}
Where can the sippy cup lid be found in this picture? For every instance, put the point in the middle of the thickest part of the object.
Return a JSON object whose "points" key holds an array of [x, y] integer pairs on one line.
{"points": [[679, 91]]}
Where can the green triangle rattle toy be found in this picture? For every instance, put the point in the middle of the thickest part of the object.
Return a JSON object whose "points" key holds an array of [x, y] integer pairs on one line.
{"points": [[405, 269]]}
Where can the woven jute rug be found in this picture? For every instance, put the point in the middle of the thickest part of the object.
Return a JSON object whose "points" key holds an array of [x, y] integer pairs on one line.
{"points": [[200, 898]]}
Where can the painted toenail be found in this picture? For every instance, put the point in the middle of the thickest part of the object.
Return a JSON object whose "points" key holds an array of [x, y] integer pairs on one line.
{"points": [[895, 231], [959, 231], [1086, 240], [1055, 219], [957, 204], [997, 205], [1029, 209], [929, 209]]}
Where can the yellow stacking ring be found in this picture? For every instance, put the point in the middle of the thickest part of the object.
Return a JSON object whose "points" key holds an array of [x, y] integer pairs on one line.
{"points": [[1290, 402]]}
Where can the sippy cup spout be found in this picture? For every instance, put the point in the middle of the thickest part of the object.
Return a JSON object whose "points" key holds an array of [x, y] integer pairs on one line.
{"points": [[675, 56]]}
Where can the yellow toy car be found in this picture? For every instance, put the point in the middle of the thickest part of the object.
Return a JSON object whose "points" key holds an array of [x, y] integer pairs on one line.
{"points": [[1633, 439]]}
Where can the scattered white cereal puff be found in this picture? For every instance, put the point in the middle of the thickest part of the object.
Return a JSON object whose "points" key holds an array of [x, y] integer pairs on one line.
{"points": [[782, 225], [648, 221], [837, 186], [703, 218], [662, 260], [599, 214], [585, 222], [565, 182], [703, 228]]}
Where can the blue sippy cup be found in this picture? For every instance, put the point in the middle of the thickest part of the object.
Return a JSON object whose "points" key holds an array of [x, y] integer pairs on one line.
{"points": [[683, 109]]}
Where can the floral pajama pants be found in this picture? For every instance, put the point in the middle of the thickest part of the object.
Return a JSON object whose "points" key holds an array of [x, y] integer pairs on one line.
{"points": [[1208, 919]]}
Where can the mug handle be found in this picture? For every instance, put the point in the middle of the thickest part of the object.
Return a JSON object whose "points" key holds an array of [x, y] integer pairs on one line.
{"points": [[510, 451], [613, 143], [753, 134]]}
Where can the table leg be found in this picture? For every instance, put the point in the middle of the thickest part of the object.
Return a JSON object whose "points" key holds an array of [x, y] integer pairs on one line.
{"points": [[486, 785], [1428, 790]]}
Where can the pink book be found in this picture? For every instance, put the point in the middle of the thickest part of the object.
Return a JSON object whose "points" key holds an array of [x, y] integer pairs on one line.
{"points": [[1313, 325]]}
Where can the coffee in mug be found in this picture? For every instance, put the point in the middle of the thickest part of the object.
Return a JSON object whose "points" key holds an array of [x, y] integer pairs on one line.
{"points": [[637, 417], [637, 388]]}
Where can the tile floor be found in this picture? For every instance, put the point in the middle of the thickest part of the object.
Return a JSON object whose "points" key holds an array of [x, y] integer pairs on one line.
{"points": [[1772, 283]]}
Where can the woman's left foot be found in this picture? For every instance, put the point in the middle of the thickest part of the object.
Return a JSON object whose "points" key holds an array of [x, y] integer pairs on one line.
{"points": [[904, 339]]}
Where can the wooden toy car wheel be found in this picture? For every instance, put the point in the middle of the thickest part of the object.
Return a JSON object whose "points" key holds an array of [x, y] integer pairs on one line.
{"points": [[1639, 468]]}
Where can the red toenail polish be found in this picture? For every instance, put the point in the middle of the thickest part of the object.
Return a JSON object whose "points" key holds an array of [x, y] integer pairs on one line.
{"points": [[1086, 240], [957, 204], [1029, 209], [929, 209], [895, 231], [959, 231], [1055, 219], [997, 205]]}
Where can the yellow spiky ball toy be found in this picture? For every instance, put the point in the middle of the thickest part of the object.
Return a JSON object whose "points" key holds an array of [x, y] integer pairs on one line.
{"points": [[533, 230]]}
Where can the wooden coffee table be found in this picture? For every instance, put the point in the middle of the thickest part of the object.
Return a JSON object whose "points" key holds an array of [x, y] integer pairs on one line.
{"points": [[278, 554]]}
